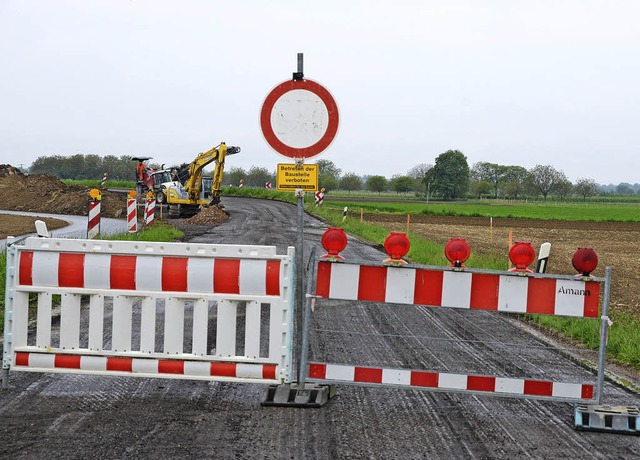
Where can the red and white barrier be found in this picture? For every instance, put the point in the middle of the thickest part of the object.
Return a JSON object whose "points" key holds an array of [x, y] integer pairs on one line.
{"points": [[461, 288], [448, 381], [176, 368], [149, 273], [132, 215], [243, 290], [93, 226], [149, 210], [563, 296]]}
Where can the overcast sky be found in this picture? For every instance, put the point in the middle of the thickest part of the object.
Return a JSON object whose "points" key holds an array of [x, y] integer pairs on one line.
{"points": [[508, 82]]}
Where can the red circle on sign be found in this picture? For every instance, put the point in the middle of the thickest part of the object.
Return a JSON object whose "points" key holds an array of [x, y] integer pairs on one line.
{"points": [[277, 144]]}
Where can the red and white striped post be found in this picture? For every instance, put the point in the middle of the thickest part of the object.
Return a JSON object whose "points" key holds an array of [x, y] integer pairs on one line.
{"points": [[132, 212], [149, 210], [93, 226], [104, 180]]}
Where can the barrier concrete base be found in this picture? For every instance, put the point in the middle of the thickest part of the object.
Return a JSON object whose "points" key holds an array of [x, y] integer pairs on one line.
{"points": [[614, 419], [292, 395]]}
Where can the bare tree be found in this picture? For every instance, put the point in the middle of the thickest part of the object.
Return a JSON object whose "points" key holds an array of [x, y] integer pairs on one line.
{"points": [[586, 187], [418, 173], [563, 188], [543, 179]]}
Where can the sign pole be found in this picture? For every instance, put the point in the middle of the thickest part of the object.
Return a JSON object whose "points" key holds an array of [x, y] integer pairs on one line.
{"points": [[283, 108], [300, 276], [299, 75]]}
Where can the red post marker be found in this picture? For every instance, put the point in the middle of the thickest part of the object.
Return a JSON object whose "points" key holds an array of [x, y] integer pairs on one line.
{"points": [[149, 211], [132, 215], [93, 228]]}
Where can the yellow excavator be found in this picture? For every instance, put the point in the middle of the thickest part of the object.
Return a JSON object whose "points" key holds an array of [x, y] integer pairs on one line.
{"points": [[186, 197]]}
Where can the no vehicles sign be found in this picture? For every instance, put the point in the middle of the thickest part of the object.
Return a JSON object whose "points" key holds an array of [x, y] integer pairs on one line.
{"points": [[299, 119]]}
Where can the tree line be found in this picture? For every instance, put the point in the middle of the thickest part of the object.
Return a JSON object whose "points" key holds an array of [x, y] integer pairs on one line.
{"points": [[450, 177]]}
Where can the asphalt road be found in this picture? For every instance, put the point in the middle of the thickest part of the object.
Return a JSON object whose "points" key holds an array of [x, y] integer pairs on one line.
{"points": [[65, 416]]}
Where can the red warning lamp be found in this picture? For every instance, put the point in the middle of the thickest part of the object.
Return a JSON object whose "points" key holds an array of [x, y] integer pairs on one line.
{"points": [[457, 251], [585, 260], [522, 255], [334, 241], [397, 246]]}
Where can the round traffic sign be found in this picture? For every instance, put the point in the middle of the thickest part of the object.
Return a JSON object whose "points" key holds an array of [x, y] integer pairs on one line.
{"points": [[299, 118]]}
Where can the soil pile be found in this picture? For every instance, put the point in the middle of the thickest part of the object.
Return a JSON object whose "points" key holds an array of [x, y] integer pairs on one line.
{"points": [[8, 170], [212, 215], [47, 194]]}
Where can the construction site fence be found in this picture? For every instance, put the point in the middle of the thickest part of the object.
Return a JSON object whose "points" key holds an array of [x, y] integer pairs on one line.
{"points": [[147, 309]]}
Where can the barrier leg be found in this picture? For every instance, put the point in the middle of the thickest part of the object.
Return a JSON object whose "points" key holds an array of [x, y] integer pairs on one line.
{"points": [[599, 417], [301, 394], [604, 329], [5, 379]]}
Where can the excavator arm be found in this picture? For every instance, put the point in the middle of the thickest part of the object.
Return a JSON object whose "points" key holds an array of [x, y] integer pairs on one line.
{"points": [[194, 181]]}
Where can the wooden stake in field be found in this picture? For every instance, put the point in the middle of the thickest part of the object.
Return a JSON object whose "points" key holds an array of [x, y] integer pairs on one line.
{"points": [[491, 228], [408, 220], [510, 244]]}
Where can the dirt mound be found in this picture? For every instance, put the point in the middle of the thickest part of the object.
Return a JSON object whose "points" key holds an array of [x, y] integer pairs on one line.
{"points": [[8, 170], [47, 194], [208, 216]]}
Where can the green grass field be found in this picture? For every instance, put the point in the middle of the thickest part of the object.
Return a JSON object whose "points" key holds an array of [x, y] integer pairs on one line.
{"points": [[597, 212]]}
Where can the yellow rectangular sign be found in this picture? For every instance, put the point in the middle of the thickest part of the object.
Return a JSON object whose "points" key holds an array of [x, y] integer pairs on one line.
{"points": [[289, 177]]}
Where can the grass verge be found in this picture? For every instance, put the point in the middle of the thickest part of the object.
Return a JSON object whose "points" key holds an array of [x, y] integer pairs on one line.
{"points": [[159, 231]]}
